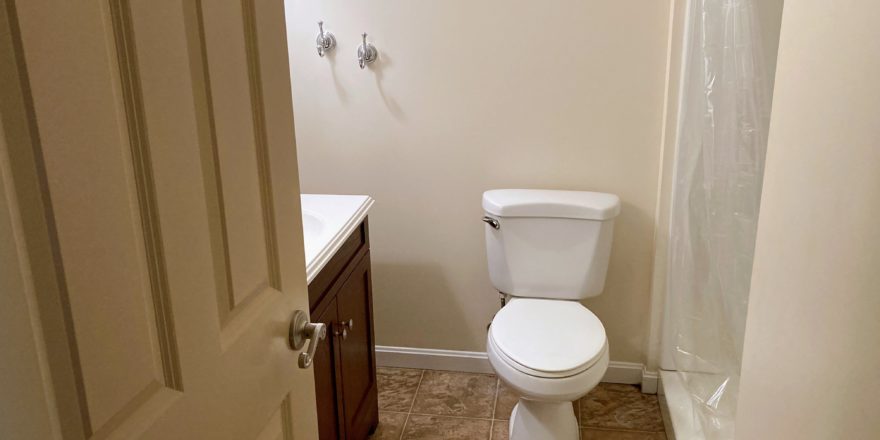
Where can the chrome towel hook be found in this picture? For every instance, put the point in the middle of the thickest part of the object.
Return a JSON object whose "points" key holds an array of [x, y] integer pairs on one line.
{"points": [[325, 40], [367, 53]]}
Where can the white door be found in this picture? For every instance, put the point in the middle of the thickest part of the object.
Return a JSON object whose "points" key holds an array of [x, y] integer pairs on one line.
{"points": [[152, 245]]}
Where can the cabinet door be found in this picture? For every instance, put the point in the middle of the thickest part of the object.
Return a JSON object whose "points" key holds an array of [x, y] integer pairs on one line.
{"points": [[327, 377], [358, 364]]}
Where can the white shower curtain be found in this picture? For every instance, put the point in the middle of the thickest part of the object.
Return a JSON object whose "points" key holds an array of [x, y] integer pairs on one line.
{"points": [[716, 194]]}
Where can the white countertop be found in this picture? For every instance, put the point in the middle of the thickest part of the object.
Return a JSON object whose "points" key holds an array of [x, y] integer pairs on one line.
{"points": [[328, 220]]}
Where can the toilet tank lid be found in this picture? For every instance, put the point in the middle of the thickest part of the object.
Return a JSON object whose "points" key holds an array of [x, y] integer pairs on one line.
{"points": [[551, 203]]}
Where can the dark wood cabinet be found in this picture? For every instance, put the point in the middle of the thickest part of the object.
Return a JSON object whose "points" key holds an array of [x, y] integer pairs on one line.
{"points": [[326, 377], [345, 364]]}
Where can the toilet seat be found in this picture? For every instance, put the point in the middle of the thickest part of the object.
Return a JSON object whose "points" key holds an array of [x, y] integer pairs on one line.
{"points": [[547, 389], [547, 338]]}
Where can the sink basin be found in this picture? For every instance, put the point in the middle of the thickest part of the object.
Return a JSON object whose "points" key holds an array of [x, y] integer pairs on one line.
{"points": [[313, 225], [328, 220]]}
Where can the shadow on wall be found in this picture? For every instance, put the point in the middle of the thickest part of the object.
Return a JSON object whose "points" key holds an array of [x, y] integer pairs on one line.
{"points": [[340, 90], [420, 288], [378, 71], [627, 283]]}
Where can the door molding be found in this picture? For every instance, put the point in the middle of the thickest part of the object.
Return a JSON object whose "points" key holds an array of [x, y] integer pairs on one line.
{"points": [[132, 97]]}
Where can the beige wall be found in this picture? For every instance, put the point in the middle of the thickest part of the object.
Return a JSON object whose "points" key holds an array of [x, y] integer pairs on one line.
{"points": [[769, 14], [812, 354], [468, 96], [669, 137]]}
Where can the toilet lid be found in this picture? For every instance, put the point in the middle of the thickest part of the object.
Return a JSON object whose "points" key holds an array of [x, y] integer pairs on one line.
{"points": [[547, 337]]}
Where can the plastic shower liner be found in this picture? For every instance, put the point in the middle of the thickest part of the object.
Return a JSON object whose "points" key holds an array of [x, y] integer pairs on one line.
{"points": [[716, 195]]}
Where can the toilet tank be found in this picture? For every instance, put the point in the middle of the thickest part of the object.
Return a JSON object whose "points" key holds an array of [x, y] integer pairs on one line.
{"points": [[549, 244]]}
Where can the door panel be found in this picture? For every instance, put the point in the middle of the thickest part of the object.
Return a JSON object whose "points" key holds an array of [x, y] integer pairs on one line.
{"points": [[117, 310], [170, 187], [30, 414], [239, 152], [278, 427], [358, 362], [236, 165]]}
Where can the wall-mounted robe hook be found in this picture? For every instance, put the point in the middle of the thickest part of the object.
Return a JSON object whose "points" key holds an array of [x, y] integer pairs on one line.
{"points": [[325, 40], [367, 53]]}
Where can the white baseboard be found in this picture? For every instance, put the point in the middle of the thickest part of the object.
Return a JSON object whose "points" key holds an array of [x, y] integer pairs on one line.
{"points": [[432, 359], [650, 381], [623, 372], [478, 362]]}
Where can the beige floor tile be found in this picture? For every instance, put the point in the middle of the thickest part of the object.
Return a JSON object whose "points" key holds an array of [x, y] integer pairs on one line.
{"points": [[500, 430], [424, 427], [507, 399], [390, 426], [459, 406], [604, 434], [455, 394], [397, 388], [615, 406]]}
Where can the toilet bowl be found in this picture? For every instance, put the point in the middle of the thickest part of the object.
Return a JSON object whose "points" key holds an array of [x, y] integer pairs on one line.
{"points": [[546, 251], [551, 352]]}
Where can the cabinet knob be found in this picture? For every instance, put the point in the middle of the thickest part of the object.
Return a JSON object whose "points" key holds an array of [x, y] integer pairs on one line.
{"points": [[346, 327]]}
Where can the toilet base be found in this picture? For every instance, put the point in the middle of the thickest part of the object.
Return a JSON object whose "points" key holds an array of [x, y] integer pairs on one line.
{"points": [[534, 420]]}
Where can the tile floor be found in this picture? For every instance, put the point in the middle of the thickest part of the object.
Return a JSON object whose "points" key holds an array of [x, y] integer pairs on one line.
{"points": [[428, 404]]}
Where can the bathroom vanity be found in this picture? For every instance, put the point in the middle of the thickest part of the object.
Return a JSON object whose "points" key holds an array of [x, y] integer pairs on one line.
{"points": [[340, 296]]}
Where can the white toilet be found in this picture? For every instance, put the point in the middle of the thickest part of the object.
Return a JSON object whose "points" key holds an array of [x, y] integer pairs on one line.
{"points": [[547, 250]]}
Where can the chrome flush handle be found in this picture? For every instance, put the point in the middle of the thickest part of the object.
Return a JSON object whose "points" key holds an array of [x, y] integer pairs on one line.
{"points": [[492, 222], [300, 330]]}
